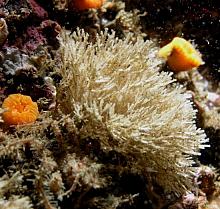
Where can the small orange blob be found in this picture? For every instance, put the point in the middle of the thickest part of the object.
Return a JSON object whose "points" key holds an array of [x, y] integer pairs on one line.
{"points": [[181, 55], [20, 109], [87, 4]]}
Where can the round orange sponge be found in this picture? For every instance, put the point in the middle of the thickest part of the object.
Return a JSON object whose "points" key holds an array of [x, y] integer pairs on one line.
{"points": [[20, 109], [181, 55], [87, 4]]}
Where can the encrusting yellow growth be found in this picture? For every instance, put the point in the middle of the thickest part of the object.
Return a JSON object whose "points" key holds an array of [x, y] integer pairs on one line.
{"points": [[20, 109], [181, 55]]}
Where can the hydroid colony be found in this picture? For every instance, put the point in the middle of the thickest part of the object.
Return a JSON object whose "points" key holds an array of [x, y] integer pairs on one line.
{"points": [[114, 89]]}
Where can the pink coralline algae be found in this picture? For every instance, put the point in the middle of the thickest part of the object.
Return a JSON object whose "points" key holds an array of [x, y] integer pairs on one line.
{"points": [[37, 9], [35, 38], [46, 33], [2, 2]]}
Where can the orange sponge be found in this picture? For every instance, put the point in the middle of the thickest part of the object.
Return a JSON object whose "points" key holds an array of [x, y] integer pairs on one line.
{"points": [[87, 4], [20, 109], [181, 55]]}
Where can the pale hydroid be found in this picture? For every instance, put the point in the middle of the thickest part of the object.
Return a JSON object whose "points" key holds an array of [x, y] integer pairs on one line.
{"points": [[114, 90]]}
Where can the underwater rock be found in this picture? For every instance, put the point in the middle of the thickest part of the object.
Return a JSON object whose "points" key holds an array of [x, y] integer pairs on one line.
{"points": [[13, 60], [39, 11]]}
